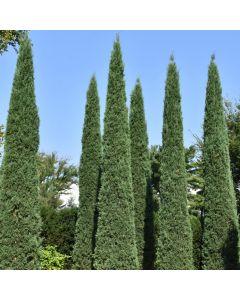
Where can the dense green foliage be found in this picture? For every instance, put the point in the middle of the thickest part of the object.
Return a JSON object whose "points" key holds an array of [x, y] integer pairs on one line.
{"points": [[174, 248], [140, 175], [196, 226], [232, 115], [194, 168], [51, 259], [165, 207], [220, 235], [56, 177], [155, 157], [149, 238], [58, 229], [20, 221], [115, 239], [89, 178]]}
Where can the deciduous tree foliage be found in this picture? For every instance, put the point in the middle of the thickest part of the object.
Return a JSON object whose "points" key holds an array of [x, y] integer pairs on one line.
{"points": [[51, 259], [174, 249], [19, 206], [220, 235], [115, 239], [89, 174], [141, 175], [10, 38]]}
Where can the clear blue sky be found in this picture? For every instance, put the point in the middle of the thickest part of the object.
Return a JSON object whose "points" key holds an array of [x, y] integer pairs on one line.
{"points": [[65, 60]]}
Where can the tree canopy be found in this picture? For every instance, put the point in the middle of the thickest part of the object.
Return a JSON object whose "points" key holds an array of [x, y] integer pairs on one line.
{"points": [[11, 38]]}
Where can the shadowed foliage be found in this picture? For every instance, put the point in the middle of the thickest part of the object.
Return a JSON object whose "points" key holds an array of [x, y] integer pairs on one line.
{"points": [[58, 230], [140, 164]]}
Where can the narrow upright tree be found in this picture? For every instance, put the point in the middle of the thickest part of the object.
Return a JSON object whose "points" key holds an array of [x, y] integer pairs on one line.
{"points": [[115, 239], [89, 172], [174, 249], [19, 207], [140, 174], [220, 233]]}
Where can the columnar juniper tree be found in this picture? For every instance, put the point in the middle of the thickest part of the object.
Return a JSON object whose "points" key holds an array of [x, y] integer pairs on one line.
{"points": [[89, 172], [115, 239], [174, 249], [220, 235], [19, 207], [140, 171]]}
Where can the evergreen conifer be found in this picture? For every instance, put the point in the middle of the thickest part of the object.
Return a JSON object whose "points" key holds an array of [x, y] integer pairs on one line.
{"points": [[220, 230], [115, 239], [140, 164], [20, 221], [174, 249], [89, 172]]}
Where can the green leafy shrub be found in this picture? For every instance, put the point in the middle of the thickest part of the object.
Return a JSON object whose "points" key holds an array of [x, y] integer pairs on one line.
{"points": [[51, 259]]}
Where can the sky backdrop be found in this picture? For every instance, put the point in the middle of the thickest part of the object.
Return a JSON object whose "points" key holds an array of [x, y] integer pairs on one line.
{"points": [[64, 62]]}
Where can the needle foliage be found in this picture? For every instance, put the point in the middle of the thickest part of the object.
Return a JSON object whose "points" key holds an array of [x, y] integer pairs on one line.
{"points": [[220, 234], [140, 175], [174, 249], [89, 172], [20, 221], [115, 239]]}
